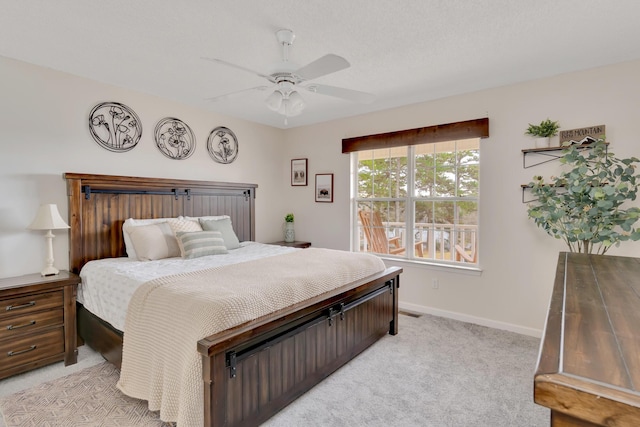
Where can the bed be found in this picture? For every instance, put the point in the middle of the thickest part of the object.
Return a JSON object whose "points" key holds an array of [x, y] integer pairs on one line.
{"points": [[252, 370]]}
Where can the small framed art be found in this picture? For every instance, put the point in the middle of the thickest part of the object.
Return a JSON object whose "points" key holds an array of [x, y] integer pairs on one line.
{"points": [[324, 187], [299, 172]]}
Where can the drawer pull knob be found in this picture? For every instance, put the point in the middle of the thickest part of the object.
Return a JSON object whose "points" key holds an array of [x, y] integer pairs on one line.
{"points": [[16, 307], [10, 327], [15, 353]]}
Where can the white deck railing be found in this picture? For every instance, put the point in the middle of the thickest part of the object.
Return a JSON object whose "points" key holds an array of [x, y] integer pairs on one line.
{"points": [[438, 240]]}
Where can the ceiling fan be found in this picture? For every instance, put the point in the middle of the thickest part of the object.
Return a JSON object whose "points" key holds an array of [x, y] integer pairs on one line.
{"points": [[285, 77]]}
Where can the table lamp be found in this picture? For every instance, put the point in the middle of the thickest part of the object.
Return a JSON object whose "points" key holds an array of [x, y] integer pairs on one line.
{"points": [[48, 218]]}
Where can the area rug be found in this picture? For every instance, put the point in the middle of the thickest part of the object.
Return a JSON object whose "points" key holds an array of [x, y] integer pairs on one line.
{"points": [[86, 398], [436, 372]]}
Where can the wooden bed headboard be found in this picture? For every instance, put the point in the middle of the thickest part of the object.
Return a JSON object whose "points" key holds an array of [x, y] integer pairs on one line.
{"points": [[99, 204]]}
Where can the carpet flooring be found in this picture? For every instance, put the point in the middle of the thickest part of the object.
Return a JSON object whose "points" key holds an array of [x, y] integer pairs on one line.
{"points": [[435, 372]]}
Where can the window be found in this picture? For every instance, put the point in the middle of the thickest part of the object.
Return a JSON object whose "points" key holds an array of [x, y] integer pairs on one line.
{"points": [[418, 201]]}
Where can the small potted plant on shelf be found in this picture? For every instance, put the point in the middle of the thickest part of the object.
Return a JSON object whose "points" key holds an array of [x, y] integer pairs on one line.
{"points": [[543, 132], [289, 232], [586, 206]]}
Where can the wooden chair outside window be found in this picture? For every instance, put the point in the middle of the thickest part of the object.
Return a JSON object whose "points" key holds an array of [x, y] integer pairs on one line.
{"points": [[464, 256], [376, 236]]}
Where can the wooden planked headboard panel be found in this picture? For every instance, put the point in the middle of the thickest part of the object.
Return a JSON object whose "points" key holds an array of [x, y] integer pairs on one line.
{"points": [[99, 205]]}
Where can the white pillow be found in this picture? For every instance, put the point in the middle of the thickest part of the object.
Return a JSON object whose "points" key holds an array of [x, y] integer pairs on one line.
{"points": [[154, 241], [129, 224]]}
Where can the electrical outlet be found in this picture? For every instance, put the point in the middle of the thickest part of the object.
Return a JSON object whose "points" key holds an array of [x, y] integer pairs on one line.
{"points": [[435, 284]]}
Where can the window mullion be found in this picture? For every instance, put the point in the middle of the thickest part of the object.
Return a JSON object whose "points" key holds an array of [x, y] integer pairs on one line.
{"points": [[409, 203], [355, 229]]}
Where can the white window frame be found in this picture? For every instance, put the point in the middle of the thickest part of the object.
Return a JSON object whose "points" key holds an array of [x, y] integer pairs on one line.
{"points": [[410, 203]]}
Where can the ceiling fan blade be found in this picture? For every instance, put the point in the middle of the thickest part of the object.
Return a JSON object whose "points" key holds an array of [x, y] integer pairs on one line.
{"points": [[235, 93], [322, 66], [338, 92], [240, 67]]}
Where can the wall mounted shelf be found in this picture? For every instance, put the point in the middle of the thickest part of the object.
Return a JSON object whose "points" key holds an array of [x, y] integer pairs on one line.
{"points": [[551, 153], [525, 187]]}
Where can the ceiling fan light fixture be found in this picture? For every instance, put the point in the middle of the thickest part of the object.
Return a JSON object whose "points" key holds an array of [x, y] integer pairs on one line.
{"points": [[292, 105], [274, 101], [296, 101], [288, 104]]}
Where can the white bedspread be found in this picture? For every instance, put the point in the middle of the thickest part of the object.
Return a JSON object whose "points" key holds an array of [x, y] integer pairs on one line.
{"points": [[169, 315], [108, 284]]}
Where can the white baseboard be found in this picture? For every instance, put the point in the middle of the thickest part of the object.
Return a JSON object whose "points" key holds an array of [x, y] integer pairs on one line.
{"points": [[420, 309]]}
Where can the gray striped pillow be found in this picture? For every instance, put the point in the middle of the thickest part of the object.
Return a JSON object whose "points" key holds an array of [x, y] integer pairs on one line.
{"points": [[200, 243]]}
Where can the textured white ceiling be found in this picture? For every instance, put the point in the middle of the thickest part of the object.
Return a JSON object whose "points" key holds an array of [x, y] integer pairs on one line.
{"points": [[403, 51]]}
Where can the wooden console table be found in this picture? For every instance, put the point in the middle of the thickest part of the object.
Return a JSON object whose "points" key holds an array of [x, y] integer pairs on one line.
{"points": [[588, 370]]}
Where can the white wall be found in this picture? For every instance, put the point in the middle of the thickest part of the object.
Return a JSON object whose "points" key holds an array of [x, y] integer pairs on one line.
{"points": [[44, 133], [517, 259]]}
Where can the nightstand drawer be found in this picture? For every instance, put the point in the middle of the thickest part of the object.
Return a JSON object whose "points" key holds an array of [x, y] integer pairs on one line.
{"points": [[30, 322], [31, 348], [30, 303]]}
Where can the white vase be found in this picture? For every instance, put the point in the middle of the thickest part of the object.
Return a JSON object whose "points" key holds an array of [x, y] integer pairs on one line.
{"points": [[543, 142], [289, 232]]}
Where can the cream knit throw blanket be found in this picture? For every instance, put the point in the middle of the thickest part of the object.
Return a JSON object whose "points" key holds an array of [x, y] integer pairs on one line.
{"points": [[168, 316]]}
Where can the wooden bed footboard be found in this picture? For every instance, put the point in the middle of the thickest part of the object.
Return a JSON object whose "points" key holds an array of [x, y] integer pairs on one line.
{"points": [[252, 371]]}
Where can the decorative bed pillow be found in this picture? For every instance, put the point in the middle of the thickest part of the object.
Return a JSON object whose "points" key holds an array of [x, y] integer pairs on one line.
{"points": [[184, 225], [129, 224], [200, 243], [225, 228], [154, 241]]}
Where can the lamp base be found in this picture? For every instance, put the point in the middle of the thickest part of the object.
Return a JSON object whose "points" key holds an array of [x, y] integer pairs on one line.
{"points": [[49, 271]]}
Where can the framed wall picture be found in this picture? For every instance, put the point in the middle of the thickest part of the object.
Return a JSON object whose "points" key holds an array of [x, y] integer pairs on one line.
{"points": [[299, 172], [324, 187]]}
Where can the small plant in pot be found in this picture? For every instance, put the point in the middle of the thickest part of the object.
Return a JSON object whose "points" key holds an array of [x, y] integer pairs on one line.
{"points": [[543, 132], [587, 205], [289, 232]]}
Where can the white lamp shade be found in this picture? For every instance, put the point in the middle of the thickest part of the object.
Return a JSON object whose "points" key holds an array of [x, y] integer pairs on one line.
{"points": [[296, 103], [48, 218], [288, 104], [274, 101], [292, 105]]}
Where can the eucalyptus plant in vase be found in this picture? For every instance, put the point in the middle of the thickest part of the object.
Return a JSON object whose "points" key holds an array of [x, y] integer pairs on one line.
{"points": [[587, 206], [289, 232]]}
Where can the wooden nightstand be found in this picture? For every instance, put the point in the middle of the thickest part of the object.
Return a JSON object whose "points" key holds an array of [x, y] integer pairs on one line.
{"points": [[37, 321], [295, 244]]}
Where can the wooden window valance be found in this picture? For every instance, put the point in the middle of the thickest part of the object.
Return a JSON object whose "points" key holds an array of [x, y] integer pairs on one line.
{"points": [[478, 128]]}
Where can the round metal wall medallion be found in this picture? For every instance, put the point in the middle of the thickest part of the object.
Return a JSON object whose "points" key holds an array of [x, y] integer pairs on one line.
{"points": [[115, 126], [174, 138], [222, 145]]}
